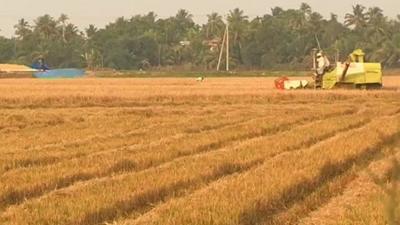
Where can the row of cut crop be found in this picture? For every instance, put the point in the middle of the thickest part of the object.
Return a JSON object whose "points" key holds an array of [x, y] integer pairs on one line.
{"points": [[251, 197], [41, 179], [95, 122], [82, 204], [364, 199], [145, 133]]}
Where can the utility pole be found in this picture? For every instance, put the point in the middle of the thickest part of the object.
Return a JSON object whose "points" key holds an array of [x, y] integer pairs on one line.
{"points": [[221, 51], [227, 44]]}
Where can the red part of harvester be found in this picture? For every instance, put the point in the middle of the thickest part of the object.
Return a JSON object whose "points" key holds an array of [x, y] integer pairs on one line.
{"points": [[280, 83]]}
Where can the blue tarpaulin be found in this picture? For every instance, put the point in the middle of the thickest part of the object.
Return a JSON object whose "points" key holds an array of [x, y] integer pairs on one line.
{"points": [[60, 73]]}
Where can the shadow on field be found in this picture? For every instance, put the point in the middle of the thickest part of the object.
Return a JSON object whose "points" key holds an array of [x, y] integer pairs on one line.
{"points": [[144, 201], [264, 212]]}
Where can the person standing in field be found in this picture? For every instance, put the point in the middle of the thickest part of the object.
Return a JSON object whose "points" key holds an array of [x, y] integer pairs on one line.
{"points": [[322, 65]]}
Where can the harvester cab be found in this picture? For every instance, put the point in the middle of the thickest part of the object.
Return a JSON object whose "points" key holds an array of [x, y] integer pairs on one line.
{"points": [[354, 73]]}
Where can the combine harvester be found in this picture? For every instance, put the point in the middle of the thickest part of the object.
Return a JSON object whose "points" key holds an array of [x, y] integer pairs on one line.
{"points": [[355, 73]]}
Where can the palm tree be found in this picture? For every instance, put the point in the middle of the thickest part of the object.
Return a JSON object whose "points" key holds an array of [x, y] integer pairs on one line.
{"points": [[92, 54], [358, 18], [378, 27], [388, 53], [46, 26], [90, 31], [376, 17], [180, 24], [296, 19], [375, 13], [70, 32], [276, 11], [306, 9], [238, 24], [22, 29], [149, 19], [184, 18], [63, 20], [214, 26], [393, 53], [184, 15], [333, 18]]}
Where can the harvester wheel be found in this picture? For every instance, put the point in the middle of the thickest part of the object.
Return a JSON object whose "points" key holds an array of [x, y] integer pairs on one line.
{"points": [[318, 81], [374, 86], [369, 86]]}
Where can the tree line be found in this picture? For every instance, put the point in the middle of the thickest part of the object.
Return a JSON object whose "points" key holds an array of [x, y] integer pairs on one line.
{"points": [[279, 39]]}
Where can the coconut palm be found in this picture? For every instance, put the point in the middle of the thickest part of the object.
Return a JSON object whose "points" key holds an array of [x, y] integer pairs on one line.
{"points": [[178, 26], [22, 29], [63, 20], [183, 15], [377, 21], [306, 9], [358, 19], [237, 23], [375, 14], [296, 19], [388, 53], [214, 26], [91, 31], [70, 31], [46, 26], [184, 19], [276, 11]]}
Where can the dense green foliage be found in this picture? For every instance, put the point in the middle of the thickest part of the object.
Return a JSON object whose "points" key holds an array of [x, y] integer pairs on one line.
{"points": [[280, 39]]}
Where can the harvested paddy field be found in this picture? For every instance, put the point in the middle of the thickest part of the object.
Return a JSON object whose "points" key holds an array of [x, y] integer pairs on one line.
{"points": [[176, 151]]}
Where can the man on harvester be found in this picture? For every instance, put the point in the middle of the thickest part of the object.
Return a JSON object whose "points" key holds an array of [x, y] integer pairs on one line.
{"points": [[322, 65], [40, 64]]}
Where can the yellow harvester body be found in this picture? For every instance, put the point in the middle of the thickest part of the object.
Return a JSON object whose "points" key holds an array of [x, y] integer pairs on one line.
{"points": [[355, 73]]}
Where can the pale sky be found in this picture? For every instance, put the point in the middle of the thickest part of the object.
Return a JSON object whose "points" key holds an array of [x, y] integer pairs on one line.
{"points": [[101, 12]]}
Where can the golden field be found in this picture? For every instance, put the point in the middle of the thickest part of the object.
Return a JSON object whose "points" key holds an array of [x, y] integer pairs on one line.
{"points": [[180, 152]]}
